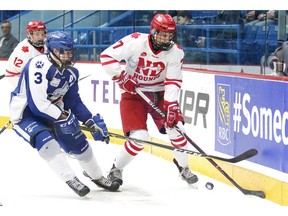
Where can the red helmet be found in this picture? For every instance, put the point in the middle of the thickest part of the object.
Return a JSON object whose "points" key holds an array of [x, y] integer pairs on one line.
{"points": [[164, 23], [35, 26]]}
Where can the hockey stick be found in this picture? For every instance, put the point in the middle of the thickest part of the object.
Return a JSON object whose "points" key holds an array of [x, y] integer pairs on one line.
{"points": [[5, 127], [84, 77], [2, 76], [243, 156], [260, 194]]}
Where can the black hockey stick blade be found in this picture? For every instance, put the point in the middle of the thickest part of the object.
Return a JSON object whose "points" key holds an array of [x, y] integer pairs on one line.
{"points": [[260, 194], [245, 155], [2, 76]]}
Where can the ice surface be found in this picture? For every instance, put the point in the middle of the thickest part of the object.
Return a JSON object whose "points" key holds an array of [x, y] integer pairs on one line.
{"points": [[151, 186]]}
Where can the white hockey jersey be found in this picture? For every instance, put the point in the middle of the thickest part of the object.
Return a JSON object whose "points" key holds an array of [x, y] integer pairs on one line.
{"points": [[41, 87], [18, 59], [154, 71]]}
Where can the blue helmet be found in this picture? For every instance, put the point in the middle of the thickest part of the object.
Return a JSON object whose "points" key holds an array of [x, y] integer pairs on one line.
{"points": [[59, 40], [64, 44]]}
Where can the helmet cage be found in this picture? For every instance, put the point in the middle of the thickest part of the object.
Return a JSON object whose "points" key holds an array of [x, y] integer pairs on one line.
{"points": [[67, 57], [158, 45]]}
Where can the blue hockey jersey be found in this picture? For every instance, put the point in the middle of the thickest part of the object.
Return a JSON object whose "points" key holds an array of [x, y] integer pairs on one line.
{"points": [[44, 92]]}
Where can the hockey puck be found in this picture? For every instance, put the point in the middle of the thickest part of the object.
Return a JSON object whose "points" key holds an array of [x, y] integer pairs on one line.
{"points": [[209, 186]]}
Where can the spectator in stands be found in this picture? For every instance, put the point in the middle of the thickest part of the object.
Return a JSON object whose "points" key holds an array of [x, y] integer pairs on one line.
{"points": [[187, 37], [184, 18], [226, 37], [262, 18], [278, 60], [249, 16], [252, 15], [7, 41], [229, 17]]}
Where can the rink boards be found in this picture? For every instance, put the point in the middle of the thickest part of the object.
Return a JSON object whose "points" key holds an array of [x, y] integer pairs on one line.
{"points": [[225, 114]]}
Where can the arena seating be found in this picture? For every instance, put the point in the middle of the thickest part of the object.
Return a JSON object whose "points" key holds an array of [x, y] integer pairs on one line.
{"points": [[91, 37]]}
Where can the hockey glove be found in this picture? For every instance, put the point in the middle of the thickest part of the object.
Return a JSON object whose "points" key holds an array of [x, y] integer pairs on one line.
{"points": [[98, 124], [70, 125], [173, 114], [126, 82]]}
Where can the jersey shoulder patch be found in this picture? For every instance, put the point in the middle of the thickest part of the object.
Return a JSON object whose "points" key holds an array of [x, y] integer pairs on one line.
{"points": [[25, 49], [135, 35]]}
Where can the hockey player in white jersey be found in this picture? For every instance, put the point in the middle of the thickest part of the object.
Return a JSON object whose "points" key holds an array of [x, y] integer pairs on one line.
{"points": [[46, 108], [153, 64], [31, 46]]}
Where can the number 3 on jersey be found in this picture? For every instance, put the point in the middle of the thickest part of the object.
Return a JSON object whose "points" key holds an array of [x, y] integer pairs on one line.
{"points": [[38, 78]]}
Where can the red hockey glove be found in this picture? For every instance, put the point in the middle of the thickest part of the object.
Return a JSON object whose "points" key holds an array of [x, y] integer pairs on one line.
{"points": [[126, 82], [173, 113]]}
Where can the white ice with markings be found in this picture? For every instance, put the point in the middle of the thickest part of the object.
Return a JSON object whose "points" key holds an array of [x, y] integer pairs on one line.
{"points": [[151, 186]]}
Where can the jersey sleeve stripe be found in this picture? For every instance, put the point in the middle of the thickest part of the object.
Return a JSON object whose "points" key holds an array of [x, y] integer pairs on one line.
{"points": [[176, 82], [109, 62], [12, 73], [172, 83]]}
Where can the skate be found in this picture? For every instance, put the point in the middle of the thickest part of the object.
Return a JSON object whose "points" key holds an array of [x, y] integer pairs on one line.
{"points": [[78, 187], [104, 183], [115, 175], [186, 174]]}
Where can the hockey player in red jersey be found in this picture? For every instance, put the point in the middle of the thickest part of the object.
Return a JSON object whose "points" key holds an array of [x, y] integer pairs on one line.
{"points": [[31, 46], [153, 64]]}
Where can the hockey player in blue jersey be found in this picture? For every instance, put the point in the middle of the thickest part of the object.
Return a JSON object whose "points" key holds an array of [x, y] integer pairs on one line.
{"points": [[45, 110]]}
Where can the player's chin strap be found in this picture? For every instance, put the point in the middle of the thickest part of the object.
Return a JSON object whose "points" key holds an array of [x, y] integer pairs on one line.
{"points": [[260, 194]]}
